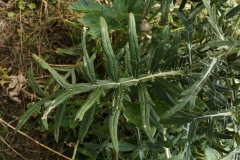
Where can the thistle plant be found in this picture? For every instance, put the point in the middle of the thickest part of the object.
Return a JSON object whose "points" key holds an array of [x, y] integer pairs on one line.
{"points": [[183, 86]]}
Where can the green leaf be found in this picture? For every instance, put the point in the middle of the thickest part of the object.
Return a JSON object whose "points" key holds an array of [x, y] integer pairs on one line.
{"points": [[88, 63], [211, 154], [110, 60], [192, 130], [154, 118], [196, 11], [93, 145], [210, 129], [133, 46], [73, 51], [200, 103], [92, 98], [119, 55], [121, 16], [135, 6], [222, 43], [70, 69], [147, 7], [162, 92], [92, 20], [156, 50], [209, 9], [188, 31], [32, 6], [72, 123], [113, 128], [232, 154], [124, 146], [165, 8], [217, 97], [212, 19], [160, 144], [218, 148], [86, 122], [171, 54], [55, 103], [120, 6], [182, 5], [177, 157], [233, 12], [33, 109], [235, 86], [184, 20], [144, 99], [34, 84], [173, 89], [176, 120], [10, 14], [86, 6], [57, 77], [131, 113], [188, 154], [58, 119], [190, 94], [21, 5]]}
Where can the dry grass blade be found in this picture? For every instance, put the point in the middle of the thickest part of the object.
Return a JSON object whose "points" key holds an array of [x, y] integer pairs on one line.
{"points": [[11, 148], [42, 145]]}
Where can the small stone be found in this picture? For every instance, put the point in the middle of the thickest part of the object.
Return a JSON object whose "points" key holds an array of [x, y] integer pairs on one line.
{"points": [[145, 26]]}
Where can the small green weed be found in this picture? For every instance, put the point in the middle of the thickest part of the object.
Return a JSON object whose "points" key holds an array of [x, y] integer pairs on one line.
{"points": [[171, 96]]}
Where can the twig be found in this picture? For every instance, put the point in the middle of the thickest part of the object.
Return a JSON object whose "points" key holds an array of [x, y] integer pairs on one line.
{"points": [[1, 120], [75, 151]]}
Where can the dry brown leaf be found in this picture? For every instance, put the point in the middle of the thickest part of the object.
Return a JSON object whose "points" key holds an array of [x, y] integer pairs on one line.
{"points": [[15, 87]]}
